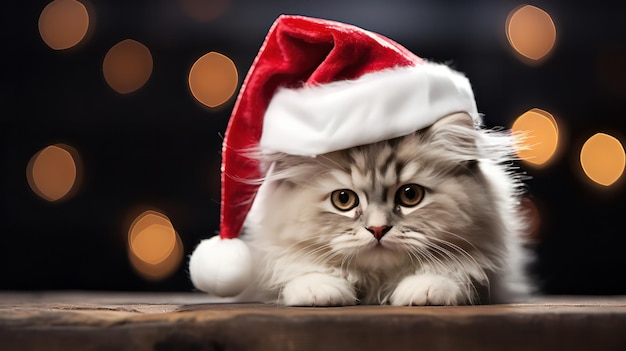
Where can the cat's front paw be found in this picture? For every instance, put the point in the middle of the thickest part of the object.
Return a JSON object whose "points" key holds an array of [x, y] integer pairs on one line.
{"points": [[317, 289], [427, 289]]}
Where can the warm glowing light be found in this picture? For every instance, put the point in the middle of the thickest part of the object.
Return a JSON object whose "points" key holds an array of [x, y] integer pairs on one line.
{"points": [[63, 23], [52, 172], [155, 248], [531, 32], [204, 10], [127, 66], [213, 79], [537, 136], [152, 237], [602, 158]]}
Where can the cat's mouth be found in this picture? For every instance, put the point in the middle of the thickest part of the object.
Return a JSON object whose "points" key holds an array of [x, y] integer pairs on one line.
{"points": [[380, 246], [384, 247], [380, 255], [377, 248]]}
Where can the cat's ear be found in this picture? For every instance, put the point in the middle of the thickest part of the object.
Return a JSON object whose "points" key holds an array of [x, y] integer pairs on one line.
{"points": [[457, 136]]}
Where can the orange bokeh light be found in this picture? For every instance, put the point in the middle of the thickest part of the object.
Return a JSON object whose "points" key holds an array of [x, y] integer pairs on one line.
{"points": [[213, 79], [52, 173], [154, 247], [537, 136], [127, 66], [63, 23], [602, 159], [531, 32]]}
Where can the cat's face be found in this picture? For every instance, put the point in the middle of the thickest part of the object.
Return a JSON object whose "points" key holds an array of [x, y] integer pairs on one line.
{"points": [[418, 199]]}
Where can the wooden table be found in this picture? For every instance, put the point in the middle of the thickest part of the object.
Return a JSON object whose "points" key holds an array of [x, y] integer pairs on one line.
{"points": [[192, 321]]}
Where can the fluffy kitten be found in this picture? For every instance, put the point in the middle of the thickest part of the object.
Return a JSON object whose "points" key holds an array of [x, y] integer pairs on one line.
{"points": [[430, 218]]}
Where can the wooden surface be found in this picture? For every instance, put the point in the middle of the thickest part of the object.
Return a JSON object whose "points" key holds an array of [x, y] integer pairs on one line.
{"points": [[160, 321]]}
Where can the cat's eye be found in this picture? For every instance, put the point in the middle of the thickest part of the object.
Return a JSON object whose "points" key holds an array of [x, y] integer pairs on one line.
{"points": [[344, 199], [409, 195]]}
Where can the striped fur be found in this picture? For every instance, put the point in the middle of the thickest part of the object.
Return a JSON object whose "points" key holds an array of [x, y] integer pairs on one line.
{"points": [[460, 245]]}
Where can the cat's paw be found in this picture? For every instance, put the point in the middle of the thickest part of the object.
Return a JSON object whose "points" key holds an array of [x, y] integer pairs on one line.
{"points": [[427, 289], [317, 289]]}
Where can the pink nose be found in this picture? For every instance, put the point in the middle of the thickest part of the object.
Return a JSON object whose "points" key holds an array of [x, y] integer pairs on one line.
{"points": [[378, 232]]}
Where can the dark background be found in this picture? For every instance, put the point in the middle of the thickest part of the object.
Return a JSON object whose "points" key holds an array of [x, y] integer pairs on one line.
{"points": [[159, 148]]}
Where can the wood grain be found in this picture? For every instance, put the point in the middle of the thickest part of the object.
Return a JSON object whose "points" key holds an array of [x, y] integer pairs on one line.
{"points": [[160, 321]]}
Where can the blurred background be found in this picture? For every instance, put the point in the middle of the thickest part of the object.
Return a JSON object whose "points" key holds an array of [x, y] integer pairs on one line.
{"points": [[113, 112]]}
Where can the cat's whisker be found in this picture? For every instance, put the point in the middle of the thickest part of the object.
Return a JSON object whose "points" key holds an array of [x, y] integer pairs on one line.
{"points": [[321, 259], [413, 256], [437, 262], [466, 277], [306, 249], [414, 250], [460, 265], [417, 245], [312, 250], [482, 276], [455, 247], [460, 238], [462, 279], [445, 252], [347, 261]]}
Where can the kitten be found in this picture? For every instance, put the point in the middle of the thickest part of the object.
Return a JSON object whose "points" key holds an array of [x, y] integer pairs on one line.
{"points": [[430, 218]]}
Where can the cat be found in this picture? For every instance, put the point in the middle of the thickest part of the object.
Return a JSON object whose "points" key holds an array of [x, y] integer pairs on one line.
{"points": [[430, 218]]}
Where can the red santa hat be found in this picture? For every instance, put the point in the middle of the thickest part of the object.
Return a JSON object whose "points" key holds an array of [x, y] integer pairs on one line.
{"points": [[317, 86]]}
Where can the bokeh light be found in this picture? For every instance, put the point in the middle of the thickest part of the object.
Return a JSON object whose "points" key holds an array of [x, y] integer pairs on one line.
{"points": [[531, 32], [204, 10], [63, 23], [537, 136], [154, 247], [127, 66], [602, 158], [52, 172], [213, 79]]}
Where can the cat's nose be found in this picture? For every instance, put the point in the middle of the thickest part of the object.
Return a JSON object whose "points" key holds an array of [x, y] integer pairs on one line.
{"points": [[379, 232]]}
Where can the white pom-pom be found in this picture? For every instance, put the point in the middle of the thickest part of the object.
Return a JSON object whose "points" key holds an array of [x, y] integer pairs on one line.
{"points": [[221, 267]]}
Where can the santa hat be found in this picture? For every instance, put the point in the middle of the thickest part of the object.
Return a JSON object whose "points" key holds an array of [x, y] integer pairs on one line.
{"points": [[317, 86]]}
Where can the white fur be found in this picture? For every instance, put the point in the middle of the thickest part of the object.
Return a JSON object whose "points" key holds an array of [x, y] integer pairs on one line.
{"points": [[314, 120], [427, 289], [317, 289], [462, 244]]}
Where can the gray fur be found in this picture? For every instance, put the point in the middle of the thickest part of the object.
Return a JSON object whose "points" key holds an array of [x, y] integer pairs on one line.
{"points": [[461, 245]]}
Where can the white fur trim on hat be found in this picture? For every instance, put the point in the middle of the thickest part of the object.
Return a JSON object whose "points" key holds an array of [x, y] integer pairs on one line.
{"points": [[377, 106], [221, 267]]}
